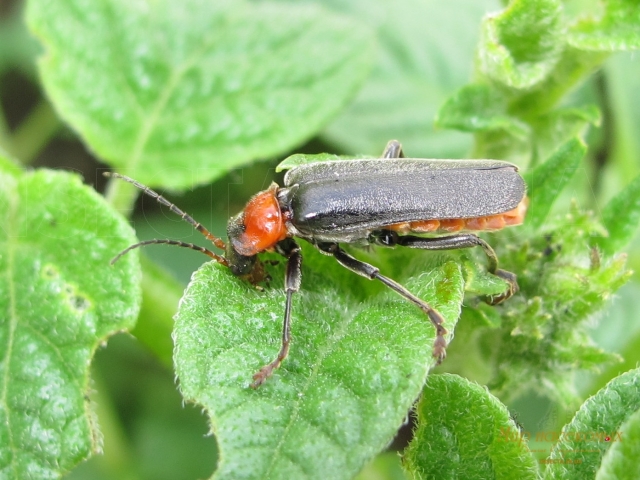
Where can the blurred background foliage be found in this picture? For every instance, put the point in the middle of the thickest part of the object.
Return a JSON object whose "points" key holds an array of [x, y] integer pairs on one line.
{"points": [[148, 432]]}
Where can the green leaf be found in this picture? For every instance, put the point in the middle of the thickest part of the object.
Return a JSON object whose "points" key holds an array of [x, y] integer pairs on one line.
{"points": [[177, 93], [425, 52], [618, 28], [298, 159], [465, 432], [545, 183], [521, 45], [59, 299], [621, 460], [594, 429], [621, 217], [479, 108], [358, 360]]}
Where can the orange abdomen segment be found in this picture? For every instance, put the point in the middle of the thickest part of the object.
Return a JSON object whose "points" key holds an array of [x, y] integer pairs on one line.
{"points": [[453, 225]]}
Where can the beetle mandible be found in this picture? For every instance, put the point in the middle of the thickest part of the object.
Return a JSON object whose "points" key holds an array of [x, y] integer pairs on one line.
{"points": [[388, 201]]}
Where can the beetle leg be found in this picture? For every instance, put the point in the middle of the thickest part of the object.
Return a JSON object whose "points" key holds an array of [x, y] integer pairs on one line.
{"points": [[393, 150], [452, 242], [513, 288], [371, 272], [291, 250]]}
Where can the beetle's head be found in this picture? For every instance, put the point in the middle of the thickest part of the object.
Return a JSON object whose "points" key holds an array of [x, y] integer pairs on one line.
{"points": [[239, 264], [258, 228]]}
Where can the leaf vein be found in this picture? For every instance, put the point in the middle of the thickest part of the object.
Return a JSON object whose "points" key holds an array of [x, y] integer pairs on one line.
{"points": [[161, 103], [295, 414], [72, 377], [13, 322]]}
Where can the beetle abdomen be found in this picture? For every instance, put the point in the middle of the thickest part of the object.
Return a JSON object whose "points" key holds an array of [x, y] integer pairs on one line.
{"points": [[454, 225]]}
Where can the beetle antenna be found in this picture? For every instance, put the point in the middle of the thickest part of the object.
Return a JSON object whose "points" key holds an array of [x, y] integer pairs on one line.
{"points": [[185, 216], [178, 243]]}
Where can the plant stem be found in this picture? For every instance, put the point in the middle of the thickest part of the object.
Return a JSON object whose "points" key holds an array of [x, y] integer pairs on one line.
{"points": [[160, 296], [34, 133], [121, 196], [5, 140], [116, 459], [573, 68]]}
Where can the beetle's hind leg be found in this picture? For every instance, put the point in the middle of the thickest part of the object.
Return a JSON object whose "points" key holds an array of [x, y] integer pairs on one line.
{"points": [[452, 242], [373, 273]]}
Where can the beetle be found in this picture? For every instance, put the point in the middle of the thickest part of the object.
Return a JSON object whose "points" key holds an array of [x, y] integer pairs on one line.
{"points": [[389, 201]]}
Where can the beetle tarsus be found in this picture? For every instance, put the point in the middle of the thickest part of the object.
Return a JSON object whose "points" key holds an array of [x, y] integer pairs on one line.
{"points": [[513, 288], [440, 346], [265, 372], [440, 343]]}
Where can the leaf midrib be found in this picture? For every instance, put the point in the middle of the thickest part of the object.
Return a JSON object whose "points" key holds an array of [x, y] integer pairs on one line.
{"points": [[327, 348], [13, 318], [165, 94]]}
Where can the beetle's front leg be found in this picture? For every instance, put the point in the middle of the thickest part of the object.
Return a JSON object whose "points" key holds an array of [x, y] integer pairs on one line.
{"points": [[452, 242], [371, 272], [291, 250]]}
